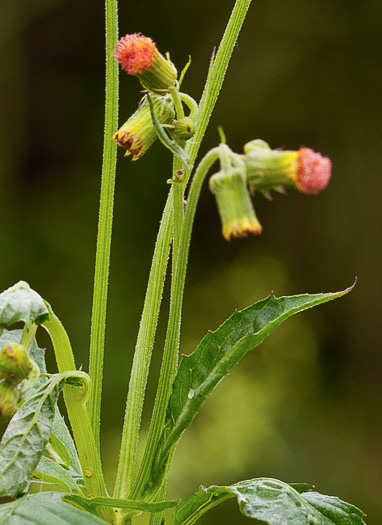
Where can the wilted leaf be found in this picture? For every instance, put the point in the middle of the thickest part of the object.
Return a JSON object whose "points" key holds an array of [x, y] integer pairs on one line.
{"points": [[273, 502]]}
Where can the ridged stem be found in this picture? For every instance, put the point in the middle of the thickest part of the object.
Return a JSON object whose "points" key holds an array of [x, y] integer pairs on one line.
{"points": [[101, 277]]}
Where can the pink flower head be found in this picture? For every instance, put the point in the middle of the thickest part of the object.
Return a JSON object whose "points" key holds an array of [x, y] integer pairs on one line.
{"points": [[135, 53], [313, 171], [138, 55]]}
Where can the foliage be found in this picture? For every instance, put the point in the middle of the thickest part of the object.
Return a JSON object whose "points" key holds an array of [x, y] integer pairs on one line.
{"points": [[37, 446]]}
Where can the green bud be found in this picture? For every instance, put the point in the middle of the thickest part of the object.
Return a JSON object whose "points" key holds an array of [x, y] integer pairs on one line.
{"points": [[138, 133], [234, 204], [15, 364], [184, 128]]}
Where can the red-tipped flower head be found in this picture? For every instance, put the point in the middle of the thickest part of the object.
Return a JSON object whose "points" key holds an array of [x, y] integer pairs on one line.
{"points": [[139, 56], [313, 171], [268, 169], [135, 53]]}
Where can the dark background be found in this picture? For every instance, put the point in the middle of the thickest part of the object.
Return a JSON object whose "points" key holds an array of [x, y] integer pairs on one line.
{"points": [[306, 406]]}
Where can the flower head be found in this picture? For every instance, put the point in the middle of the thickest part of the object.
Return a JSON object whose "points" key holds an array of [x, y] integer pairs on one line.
{"points": [[234, 204], [138, 133], [139, 56], [267, 169]]}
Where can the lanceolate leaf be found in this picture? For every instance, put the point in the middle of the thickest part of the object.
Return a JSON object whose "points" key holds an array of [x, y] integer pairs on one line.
{"points": [[273, 502], [218, 352], [45, 508]]}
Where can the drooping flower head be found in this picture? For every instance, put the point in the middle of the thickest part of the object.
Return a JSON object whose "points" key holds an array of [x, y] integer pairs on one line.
{"points": [[267, 169], [234, 203], [139, 56], [138, 133]]}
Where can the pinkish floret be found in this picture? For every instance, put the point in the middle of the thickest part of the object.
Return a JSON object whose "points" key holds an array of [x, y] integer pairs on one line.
{"points": [[135, 53], [313, 171]]}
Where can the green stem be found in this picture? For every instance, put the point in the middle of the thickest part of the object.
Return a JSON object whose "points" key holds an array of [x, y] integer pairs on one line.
{"points": [[209, 97], [170, 354], [87, 452], [101, 277], [28, 336], [142, 356], [217, 73], [177, 102]]}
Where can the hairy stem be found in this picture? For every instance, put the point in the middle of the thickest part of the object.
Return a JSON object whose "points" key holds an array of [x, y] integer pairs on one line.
{"points": [[142, 356], [101, 277], [209, 97], [170, 357]]}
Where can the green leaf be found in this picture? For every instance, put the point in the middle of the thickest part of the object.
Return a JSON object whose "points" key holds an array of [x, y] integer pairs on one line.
{"points": [[216, 355], [166, 141], [61, 439], [28, 432], [63, 445], [91, 504], [21, 303], [42, 509], [25, 438], [49, 471], [58, 451], [273, 502], [184, 71]]}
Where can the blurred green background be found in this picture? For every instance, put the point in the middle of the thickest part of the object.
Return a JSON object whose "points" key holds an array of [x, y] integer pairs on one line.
{"points": [[306, 406]]}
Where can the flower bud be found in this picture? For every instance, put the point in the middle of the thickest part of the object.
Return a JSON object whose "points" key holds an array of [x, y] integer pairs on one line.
{"points": [[267, 169], [139, 56], [15, 364], [138, 133], [8, 402], [184, 128], [234, 204]]}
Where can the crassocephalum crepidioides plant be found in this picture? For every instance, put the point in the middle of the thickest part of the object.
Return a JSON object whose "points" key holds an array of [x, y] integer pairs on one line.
{"points": [[37, 446]]}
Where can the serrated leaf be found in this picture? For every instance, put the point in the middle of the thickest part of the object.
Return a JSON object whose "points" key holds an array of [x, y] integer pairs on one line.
{"points": [[44, 508], [91, 504], [21, 303], [25, 438], [273, 502], [216, 355], [49, 471]]}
